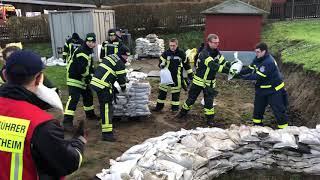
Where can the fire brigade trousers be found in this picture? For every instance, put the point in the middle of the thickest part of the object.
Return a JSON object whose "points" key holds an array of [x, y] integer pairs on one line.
{"points": [[74, 97], [208, 92], [278, 103], [175, 91], [106, 112]]}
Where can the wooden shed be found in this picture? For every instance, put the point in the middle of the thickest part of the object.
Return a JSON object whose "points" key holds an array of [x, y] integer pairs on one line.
{"points": [[237, 24]]}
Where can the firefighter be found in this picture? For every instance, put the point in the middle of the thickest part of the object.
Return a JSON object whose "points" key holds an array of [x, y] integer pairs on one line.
{"points": [[175, 60], [79, 73], [110, 46], [111, 69], [210, 62], [70, 46], [32, 144], [269, 87]]}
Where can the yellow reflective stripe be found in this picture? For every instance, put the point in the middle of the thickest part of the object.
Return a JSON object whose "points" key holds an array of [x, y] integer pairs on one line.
{"points": [[107, 127], [251, 67], [16, 166], [265, 86], [89, 108], [261, 74], [283, 126], [108, 68], [189, 71], [186, 107], [68, 103], [221, 59], [175, 103], [257, 121], [162, 59], [80, 158], [90, 38], [121, 72], [163, 89], [209, 111], [168, 63], [96, 80], [220, 68], [116, 50], [111, 60], [179, 77], [208, 60], [175, 90], [64, 53], [97, 85], [279, 86], [69, 112], [76, 83], [160, 101], [83, 55]]}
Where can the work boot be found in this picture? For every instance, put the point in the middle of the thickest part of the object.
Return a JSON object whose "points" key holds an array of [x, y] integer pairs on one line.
{"points": [[210, 123], [91, 116], [175, 109], [182, 114], [157, 109], [258, 124], [108, 136]]}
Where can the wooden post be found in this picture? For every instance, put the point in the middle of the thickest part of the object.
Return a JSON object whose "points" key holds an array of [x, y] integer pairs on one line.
{"points": [[292, 10]]}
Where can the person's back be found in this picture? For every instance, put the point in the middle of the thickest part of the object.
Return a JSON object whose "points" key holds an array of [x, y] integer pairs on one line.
{"points": [[32, 143]]}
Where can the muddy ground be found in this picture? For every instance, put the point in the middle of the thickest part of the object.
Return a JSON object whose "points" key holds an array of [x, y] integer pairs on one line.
{"points": [[234, 106]]}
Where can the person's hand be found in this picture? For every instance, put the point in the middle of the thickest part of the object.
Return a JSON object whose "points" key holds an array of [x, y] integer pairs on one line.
{"points": [[162, 65], [190, 76], [81, 133]]}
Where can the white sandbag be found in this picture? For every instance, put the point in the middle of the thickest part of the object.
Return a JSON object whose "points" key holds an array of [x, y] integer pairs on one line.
{"points": [[309, 138], [165, 76], [235, 67], [287, 140], [49, 96]]}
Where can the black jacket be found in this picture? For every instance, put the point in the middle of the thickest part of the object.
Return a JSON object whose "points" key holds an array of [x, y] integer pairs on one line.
{"points": [[53, 155]]}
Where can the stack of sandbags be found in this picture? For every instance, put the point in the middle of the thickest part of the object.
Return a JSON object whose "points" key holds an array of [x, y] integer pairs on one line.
{"points": [[151, 46], [134, 101], [205, 153]]}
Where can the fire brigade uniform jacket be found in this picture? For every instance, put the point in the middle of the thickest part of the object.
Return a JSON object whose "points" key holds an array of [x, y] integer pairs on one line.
{"points": [[69, 47], [269, 89], [175, 61], [110, 47], [79, 73], [32, 144], [111, 69], [209, 63]]}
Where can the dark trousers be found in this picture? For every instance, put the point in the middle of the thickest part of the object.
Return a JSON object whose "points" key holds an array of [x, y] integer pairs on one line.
{"points": [[175, 91], [106, 111], [278, 103], [208, 92], [74, 97]]}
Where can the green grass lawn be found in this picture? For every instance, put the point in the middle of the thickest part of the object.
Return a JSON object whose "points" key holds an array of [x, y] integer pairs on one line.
{"points": [[44, 49], [299, 39]]}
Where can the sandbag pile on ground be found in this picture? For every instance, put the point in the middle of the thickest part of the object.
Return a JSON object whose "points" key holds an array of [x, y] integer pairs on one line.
{"points": [[134, 101], [53, 61], [151, 46], [205, 153]]}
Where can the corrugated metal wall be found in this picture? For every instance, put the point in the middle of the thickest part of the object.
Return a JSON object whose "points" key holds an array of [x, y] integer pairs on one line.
{"points": [[64, 23]]}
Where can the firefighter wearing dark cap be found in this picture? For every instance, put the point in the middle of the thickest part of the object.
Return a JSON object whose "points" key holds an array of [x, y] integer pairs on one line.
{"points": [[79, 73], [32, 144], [210, 62], [70, 46], [111, 69], [175, 60], [110, 46], [269, 87]]}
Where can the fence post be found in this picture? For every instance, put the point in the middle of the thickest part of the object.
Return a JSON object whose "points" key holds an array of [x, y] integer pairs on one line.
{"points": [[292, 10]]}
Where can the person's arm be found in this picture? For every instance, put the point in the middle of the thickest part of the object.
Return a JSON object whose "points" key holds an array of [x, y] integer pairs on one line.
{"points": [[53, 155], [121, 75], [162, 60], [186, 65], [102, 51], [209, 61], [259, 74], [65, 51]]}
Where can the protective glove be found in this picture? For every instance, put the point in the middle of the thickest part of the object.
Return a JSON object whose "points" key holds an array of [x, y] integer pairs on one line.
{"points": [[162, 65]]}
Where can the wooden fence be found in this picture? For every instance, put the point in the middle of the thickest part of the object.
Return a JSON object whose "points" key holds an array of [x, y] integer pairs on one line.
{"points": [[295, 10]]}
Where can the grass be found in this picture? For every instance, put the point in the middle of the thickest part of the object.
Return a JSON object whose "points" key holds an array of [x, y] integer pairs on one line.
{"points": [[44, 49], [299, 40], [187, 40]]}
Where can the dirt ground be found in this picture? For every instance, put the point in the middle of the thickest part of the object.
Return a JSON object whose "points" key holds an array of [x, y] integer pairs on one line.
{"points": [[234, 106]]}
